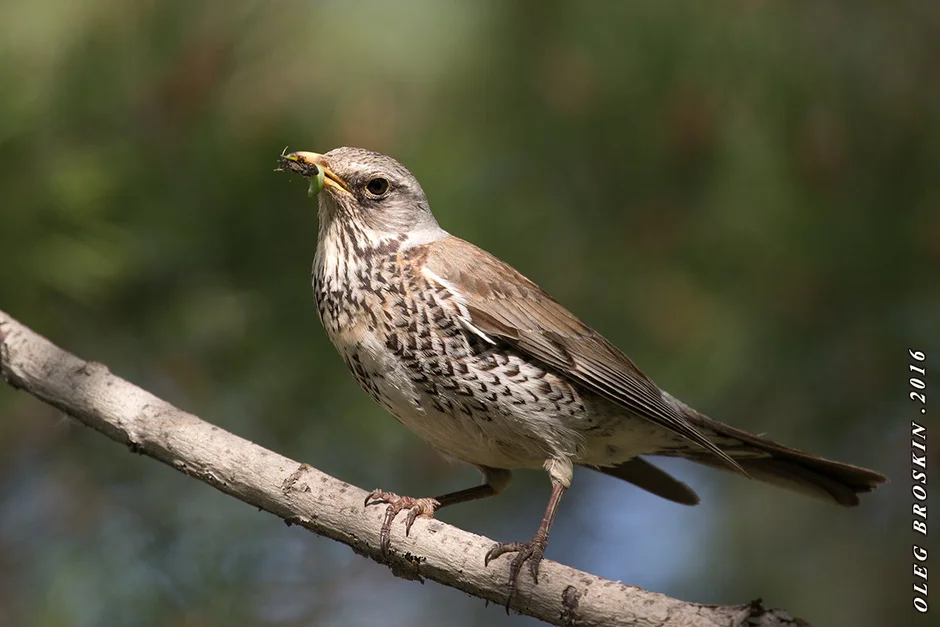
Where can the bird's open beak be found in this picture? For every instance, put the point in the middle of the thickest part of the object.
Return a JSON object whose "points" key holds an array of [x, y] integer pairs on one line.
{"points": [[312, 165]]}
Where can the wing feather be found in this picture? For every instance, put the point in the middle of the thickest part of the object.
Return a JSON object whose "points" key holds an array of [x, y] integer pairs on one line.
{"points": [[504, 304]]}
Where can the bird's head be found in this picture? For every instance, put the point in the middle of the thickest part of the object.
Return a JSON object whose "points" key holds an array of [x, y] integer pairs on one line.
{"points": [[366, 187]]}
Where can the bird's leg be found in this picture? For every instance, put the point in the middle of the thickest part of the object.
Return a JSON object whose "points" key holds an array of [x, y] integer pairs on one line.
{"points": [[495, 480], [532, 551]]}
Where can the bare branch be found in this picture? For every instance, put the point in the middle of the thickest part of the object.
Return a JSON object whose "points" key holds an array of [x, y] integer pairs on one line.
{"points": [[305, 496]]}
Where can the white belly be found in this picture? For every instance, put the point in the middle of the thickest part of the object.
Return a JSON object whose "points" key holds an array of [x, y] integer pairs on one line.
{"points": [[503, 434]]}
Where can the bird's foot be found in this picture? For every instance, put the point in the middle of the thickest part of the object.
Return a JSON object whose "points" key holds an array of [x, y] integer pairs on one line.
{"points": [[530, 552], [416, 507]]}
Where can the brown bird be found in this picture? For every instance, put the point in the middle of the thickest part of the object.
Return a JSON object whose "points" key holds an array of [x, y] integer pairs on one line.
{"points": [[489, 369]]}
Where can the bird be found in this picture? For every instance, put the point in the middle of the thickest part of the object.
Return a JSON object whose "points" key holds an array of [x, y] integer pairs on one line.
{"points": [[490, 370]]}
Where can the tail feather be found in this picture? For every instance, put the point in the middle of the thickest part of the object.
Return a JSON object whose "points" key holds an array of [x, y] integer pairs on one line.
{"points": [[645, 475], [813, 476], [774, 463]]}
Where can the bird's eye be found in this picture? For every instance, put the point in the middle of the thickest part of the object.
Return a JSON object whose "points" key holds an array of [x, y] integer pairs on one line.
{"points": [[378, 187]]}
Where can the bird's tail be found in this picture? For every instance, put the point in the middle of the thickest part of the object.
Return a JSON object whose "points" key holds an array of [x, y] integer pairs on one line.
{"points": [[781, 465]]}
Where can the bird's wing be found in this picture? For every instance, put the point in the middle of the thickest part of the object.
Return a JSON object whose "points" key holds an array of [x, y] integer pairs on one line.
{"points": [[502, 304]]}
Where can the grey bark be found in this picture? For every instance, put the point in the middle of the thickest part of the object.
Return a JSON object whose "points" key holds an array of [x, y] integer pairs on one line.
{"points": [[302, 495]]}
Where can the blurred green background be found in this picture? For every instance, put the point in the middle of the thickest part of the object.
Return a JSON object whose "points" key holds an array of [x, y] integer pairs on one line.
{"points": [[742, 195]]}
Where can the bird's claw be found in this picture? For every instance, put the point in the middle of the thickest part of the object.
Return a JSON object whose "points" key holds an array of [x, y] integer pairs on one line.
{"points": [[530, 552], [416, 507]]}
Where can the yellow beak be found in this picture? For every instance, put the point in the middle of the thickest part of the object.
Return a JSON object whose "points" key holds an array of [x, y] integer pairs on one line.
{"points": [[310, 164]]}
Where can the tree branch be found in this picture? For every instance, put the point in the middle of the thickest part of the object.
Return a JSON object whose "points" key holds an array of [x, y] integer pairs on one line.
{"points": [[305, 496]]}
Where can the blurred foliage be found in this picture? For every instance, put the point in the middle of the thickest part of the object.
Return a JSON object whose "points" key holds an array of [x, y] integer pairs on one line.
{"points": [[742, 195]]}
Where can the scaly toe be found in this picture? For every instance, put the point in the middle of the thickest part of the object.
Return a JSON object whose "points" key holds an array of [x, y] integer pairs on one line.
{"points": [[501, 548], [534, 560], [378, 496], [530, 552], [417, 507], [420, 507]]}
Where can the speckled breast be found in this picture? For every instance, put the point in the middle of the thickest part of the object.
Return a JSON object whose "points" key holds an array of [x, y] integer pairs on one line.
{"points": [[479, 402]]}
